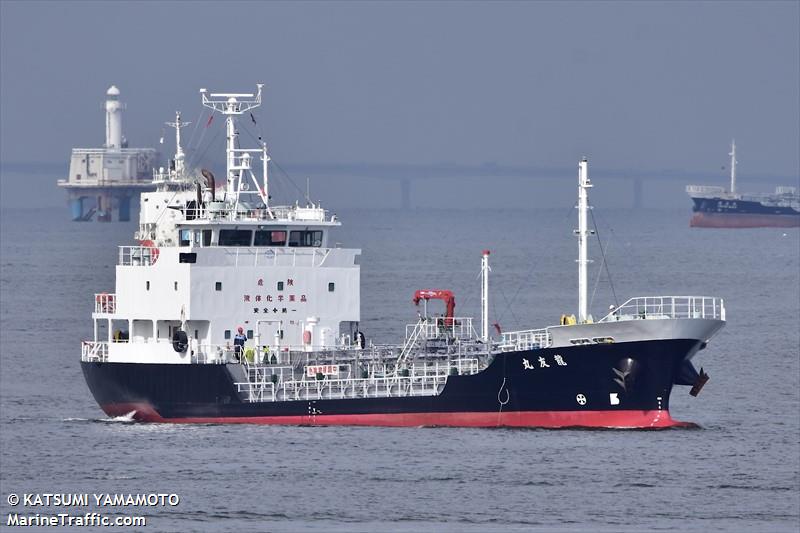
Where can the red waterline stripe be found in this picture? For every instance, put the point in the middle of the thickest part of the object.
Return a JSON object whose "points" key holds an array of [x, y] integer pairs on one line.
{"points": [[542, 419]]}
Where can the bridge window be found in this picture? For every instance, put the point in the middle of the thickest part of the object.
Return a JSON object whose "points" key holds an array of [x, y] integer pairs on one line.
{"points": [[305, 238], [331, 286], [235, 237], [218, 286], [270, 238], [206, 237]]}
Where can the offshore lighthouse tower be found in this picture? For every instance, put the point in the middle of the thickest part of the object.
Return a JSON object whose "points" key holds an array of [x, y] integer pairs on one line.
{"points": [[111, 176]]}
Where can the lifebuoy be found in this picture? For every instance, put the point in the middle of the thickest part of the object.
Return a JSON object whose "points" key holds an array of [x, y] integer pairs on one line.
{"points": [[153, 250]]}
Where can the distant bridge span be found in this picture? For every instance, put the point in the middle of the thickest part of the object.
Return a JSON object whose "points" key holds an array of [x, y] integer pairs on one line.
{"points": [[406, 174]]}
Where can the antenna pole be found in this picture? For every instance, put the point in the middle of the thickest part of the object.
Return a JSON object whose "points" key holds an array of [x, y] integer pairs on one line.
{"points": [[265, 173], [179, 155], [230, 160], [231, 104], [733, 166], [485, 296], [583, 242]]}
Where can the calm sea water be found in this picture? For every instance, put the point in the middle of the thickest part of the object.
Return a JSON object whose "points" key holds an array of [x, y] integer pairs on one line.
{"points": [[739, 472]]}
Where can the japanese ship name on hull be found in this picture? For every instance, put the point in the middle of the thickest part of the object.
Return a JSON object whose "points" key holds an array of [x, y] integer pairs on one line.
{"points": [[233, 310]]}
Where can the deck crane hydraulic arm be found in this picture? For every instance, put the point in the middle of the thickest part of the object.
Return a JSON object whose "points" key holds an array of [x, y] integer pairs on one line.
{"points": [[438, 294]]}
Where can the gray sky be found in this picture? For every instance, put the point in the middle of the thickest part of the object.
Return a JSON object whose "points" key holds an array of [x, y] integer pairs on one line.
{"points": [[643, 86]]}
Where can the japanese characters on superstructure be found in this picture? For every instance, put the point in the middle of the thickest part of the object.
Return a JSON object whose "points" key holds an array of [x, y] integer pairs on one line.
{"points": [[211, 259]]}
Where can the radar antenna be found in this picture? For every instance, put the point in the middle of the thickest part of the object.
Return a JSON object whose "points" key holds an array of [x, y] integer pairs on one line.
{"points": [[238, 159]]}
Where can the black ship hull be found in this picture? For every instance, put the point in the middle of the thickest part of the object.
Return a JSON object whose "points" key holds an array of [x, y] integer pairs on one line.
{"points": [[601, 385], [728, 213]]}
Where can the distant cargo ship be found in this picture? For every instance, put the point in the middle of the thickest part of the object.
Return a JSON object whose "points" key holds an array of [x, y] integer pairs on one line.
{"points": [[715, 207]]}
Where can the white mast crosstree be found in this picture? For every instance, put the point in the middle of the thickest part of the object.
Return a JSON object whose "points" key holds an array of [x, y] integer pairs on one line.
{"points": [[238, 159]]}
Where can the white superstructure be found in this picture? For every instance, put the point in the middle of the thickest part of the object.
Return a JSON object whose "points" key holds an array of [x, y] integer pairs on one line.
{"points": [[211, 261]]}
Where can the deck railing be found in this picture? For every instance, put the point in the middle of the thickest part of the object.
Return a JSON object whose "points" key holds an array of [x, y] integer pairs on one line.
{"points": [[105, 303], [137, 255], [668, 307], [441, 327], [220, 211], [277, 256], [705, 189], [531, 339], [419, 382], [92, 351]]}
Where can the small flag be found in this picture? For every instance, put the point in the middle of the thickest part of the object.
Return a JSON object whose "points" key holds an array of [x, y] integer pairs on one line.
{"points": [[209, 120], [253, 118]]}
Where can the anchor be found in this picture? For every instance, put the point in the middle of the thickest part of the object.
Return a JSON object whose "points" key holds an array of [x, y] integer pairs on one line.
{"points": [[701, 380]]}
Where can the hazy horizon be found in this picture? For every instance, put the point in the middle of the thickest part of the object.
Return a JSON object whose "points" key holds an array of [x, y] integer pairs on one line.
{"points": [[637, 87]]}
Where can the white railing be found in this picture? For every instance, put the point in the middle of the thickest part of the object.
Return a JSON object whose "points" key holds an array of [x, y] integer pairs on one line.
{"points": [[327, 389], [146, 232], [705, 189], [226, 353], [411, 341], [220, 211], [276, 256], [668, 307], [464, 366], [92, 351], [530, 339], [105, 151], [436, 328], [441, 327], [105, 303], [137, 255]]}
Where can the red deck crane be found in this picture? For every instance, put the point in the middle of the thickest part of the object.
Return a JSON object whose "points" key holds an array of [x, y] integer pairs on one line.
{"points": [[439, 294]]}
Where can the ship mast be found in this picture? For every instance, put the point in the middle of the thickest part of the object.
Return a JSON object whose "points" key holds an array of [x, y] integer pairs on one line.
{"points": [[582, 232], [485, 296], [179, 155], [733, 166], [231, 104]]}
